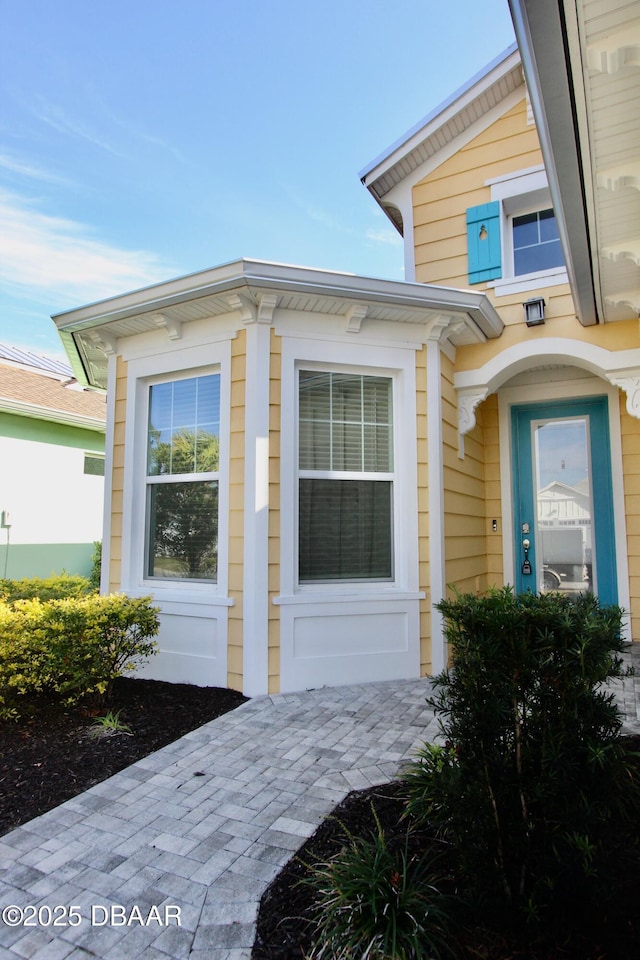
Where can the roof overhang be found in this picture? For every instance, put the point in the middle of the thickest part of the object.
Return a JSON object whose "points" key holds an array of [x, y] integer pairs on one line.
{"points": [[582, 66], [442, 127], [90, 333], [38, 412]]}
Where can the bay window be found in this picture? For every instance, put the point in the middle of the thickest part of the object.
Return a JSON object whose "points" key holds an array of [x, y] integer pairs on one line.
{"points": [[345, 477], [183, 453]]}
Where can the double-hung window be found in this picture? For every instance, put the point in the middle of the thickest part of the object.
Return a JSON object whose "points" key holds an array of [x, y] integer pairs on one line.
{"points": [[183, 453], [345, 477]]}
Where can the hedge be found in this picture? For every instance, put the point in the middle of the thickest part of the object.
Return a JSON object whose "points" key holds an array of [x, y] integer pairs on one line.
{"points": [[71, 647]]}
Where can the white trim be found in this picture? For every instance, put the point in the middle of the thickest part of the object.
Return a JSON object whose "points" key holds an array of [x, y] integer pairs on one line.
{"points": [[608, 364], [520, 192], [377, 623], [508, 286], [255, 603], [436, 504], [172, 364], [400, 366], [559, 390], [112, 366]]}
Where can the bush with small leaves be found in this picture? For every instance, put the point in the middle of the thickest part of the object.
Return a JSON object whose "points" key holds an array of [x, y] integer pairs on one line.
{"points": [[532, 764], [55, 587], [72, 647]]}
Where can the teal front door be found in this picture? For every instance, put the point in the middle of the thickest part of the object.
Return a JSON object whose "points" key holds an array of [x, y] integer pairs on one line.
{"points": [[563, 498]]}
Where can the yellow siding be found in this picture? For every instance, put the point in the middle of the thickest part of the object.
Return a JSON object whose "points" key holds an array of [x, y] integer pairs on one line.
{"points": [[493, 491], [117, 477], [440, 201], [464, 496], [274, 510], [236, 510], [630, 429], [423, 512]]}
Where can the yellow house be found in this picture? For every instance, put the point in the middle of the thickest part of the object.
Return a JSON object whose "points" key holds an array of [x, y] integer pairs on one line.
{"points": [[300, 462]]}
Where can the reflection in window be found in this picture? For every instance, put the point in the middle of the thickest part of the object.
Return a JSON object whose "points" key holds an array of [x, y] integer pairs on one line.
{"points": [[183, 451], [536, 243]]}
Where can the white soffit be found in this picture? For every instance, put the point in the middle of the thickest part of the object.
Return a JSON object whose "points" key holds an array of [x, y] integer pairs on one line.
{"points": [[582, 63], [439, 129], [255, 288]]}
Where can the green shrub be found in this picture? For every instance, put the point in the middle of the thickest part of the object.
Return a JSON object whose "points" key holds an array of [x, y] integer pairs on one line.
{"points": [[96, 566], [533, 765], [375, 900], [54, 587], [71, 647]]}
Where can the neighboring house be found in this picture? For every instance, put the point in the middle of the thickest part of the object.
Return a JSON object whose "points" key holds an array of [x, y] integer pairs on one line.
{"points": [[51, 467], [301, 463]]}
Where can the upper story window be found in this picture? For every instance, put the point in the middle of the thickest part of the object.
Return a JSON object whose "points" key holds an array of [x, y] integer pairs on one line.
{"points": [[513, 240], [345, 477], [536, 243], [183, 454]]}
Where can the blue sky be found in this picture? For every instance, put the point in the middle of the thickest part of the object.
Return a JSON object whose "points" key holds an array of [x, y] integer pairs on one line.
{"points": [[146, 139]]}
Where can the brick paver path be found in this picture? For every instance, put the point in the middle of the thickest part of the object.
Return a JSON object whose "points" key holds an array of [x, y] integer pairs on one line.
{"points": [[203, 825]]}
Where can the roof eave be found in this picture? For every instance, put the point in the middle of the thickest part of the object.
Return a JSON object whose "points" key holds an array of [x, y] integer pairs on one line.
{"points": [[540, 30], [73, 325]]}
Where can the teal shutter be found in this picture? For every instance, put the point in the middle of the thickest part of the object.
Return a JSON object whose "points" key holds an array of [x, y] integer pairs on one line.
{"points": [[483, 242]]}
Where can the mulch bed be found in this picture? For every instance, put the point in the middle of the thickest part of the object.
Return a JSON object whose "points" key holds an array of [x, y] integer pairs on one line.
{"points": [[609, 932], [49, 756]]}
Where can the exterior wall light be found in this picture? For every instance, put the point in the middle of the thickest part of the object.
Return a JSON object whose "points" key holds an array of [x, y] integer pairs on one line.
{"points": [[534, 312]]}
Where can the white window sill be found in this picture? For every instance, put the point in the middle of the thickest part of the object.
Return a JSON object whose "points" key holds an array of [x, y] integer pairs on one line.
{"points": [[529, 281], [172, 593], [360, 596]]}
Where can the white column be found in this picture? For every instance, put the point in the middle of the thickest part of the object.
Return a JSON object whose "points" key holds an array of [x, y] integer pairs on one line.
{"points": [[436, 503], [256, 511]]}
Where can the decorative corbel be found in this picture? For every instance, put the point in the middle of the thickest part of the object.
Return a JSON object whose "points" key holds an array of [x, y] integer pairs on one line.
{"points": [[105, 341], [437, 327], [631, 387], [246, 308], [173, 327], [354, 317], [268, 303], [467, 403]]}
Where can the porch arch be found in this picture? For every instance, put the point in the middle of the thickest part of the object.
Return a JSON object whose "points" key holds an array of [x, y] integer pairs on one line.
{"points": [[620, 368]]}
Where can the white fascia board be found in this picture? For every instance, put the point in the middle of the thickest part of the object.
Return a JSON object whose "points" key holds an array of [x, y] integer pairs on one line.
{"points": [[540, 29], [287, 278], [37, 412], [425, 128]]}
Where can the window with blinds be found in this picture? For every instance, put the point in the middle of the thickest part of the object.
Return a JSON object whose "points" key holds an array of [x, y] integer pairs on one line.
{"points": [[183, 451], [345, 477]]}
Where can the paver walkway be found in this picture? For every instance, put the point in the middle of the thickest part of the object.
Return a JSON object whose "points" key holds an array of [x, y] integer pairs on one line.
{"points": [[203, 825]]}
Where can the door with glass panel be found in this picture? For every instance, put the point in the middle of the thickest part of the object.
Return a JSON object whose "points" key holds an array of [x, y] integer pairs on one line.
{"points": [[563, 499]]}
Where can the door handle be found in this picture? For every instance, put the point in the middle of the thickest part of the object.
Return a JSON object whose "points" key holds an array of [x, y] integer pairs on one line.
{"points": [[526, 566]]}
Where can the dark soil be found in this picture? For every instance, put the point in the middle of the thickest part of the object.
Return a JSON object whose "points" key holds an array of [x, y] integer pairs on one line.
{"points": [[49, 755]]}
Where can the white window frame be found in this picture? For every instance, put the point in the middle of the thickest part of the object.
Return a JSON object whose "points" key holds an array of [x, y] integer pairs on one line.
{"points": [[365, 359], [526, 191], [142, 373], [346, 475], [173, 478]]}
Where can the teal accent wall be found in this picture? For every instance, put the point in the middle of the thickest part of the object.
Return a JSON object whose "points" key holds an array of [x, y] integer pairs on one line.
{"points": [[45, 431], [483, 242], [43, 559]]}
